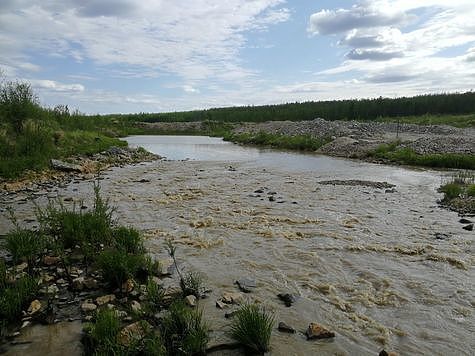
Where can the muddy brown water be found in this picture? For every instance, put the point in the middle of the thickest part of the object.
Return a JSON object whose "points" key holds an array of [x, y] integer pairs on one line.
{"points": [[366, 263]]}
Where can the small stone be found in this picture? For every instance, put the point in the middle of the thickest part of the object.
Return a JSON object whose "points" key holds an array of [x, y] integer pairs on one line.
{"points": [[128, 286], [52, 289], [468, 227], [88, 307], [90, 283], [88, 318], [317, 331], [246, 285], [34, 307], [47, 278], [21, 267], [50, 260], [110, 306], [463, 221], [272, 198], [232, 298], [221, 305], [25, 324], [259, 191], [283, 327], [105, 299], [133, 333], [287, 298], [78, 283], [135, 306], [190, 300]]}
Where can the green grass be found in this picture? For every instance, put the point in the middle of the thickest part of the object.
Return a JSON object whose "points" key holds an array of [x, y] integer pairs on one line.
{"points": [[452, 120], [407, 156], [128, 239], [101, 336], [451, 190], [471, 190], [193, 283], [184, 331], [117, 266], [24, 245], [16, 296], [155, 295], [299, 142], [252, 327]]}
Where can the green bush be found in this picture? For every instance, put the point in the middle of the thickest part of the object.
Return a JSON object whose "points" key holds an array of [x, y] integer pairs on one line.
{"points": [[117, 266], [184, 331], [128, 239], [471, 190], [100, 337], [24, 245], [252, 328], [15, 297], [451, 191]]}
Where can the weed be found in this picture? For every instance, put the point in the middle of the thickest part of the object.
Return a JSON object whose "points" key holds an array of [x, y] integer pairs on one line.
{"points": [[471, 190], [15, 297], [117, 266], [252, 327], [155, 295], [3, 274], [25, 245], [184, 331], [192, 283], [101, 337], [451, 191], [153, 346], [128, 240]]}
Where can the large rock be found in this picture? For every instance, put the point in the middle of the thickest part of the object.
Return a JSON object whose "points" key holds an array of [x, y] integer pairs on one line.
{"points": [[105, 299], [133, 333], [317, 331], [64, 166], [232, 298], [88, 307]]}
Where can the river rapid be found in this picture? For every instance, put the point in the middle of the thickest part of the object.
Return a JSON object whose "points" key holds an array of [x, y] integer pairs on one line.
{"points": [[382, 269]]}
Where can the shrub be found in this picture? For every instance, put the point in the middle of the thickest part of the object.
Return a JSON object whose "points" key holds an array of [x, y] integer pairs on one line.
{"points": [[471, 190], [16, 296], [184, 331], [101, 337], [451, 191], [153, 346], [192, 283], [128, 240], [155, 295], [117, 266], [252, 327], [24, 244]]}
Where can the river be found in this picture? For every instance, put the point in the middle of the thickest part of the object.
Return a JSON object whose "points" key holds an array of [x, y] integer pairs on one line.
{"points": [[382, 269]]}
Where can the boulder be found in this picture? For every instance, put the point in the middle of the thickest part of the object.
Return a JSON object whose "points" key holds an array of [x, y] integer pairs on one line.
{"points": [[78, 283], [136, 307], [317, 331]]}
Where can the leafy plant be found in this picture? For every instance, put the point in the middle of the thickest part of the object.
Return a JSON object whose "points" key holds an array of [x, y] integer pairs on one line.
{"points": [[252, 327], [117, 266], [155, 295], [127, 239], [184, 331], [25, 245], [471, 190], [101, 336], [192, 283]]}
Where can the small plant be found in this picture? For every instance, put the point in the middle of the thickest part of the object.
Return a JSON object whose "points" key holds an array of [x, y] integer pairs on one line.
{"points": [[128, 240], [192, 283], [184, 331], [155, 295], [471, 190], [15, 297], [252, 327], [451, 191], [3, 274], [101, 337], [118, 266], [153, 346], [25, 245]]}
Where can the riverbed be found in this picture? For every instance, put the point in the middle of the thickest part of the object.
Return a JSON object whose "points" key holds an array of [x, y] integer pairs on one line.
{"points": [[383, 268]]}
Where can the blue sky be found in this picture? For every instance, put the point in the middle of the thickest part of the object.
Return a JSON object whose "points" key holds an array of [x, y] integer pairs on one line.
{"points": [[109, 56]]}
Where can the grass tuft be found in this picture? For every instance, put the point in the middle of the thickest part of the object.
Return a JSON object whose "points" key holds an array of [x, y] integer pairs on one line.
{"points": [[24, 245], [252, 327]]}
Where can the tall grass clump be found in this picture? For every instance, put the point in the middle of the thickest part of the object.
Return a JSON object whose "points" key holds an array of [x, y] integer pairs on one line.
{"points": [[128, 239], [252, 327], [100, 337], [16, 296], [118, 266], [24, 245], [184, 331], [155, 295]]}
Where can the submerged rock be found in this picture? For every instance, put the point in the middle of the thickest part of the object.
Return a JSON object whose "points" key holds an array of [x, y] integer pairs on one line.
{"points": [[287, 298], [232, 298], [246, 285], [283, 327], [317, 331], [465, 221], [468, 227]]}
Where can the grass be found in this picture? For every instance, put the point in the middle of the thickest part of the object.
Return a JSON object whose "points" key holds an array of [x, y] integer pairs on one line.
{"points": [[128, 239], [184, 331], [193, 283], [459, 192], [117, 266], [451, 191], [155, 295], [252, 327], [100, 337], [452, 120], [24, 245], [407, 156], [298, 142], [16, 296]]}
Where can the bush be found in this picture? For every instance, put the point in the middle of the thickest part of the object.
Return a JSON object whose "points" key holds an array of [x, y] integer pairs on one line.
{"points": [[18, 103], [128, 240], [117, 266], [184, 331], [252, 327], [451, 191], [24, 245], [155, 295], [101, 337], [471, 190], [15, 297], [192, 283]]}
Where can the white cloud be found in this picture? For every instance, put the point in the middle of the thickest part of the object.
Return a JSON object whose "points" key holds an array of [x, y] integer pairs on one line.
{"points": [[51, 85]]}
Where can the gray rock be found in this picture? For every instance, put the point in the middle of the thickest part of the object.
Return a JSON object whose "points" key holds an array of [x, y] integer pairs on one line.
{"points": [[287, 298], [465, 221], [64, 166], [468, 227], [283, 327], [246, 285]]}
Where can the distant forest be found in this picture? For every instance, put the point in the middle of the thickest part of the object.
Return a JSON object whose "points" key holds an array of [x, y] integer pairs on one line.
{"points": [[357, 109]]}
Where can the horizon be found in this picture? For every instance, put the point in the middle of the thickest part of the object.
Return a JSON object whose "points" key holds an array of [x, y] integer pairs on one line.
{"points": [[111, 57]]}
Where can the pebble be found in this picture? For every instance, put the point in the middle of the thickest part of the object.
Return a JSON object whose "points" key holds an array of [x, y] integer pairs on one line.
{"points": [[283, 327], [190, 300]]}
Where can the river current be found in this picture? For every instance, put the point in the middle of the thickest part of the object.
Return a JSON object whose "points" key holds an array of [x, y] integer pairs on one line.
{"points": [[382, 268]]}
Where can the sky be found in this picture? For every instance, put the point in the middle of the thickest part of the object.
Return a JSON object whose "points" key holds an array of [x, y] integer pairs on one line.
{"points": [[123, 56]]}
